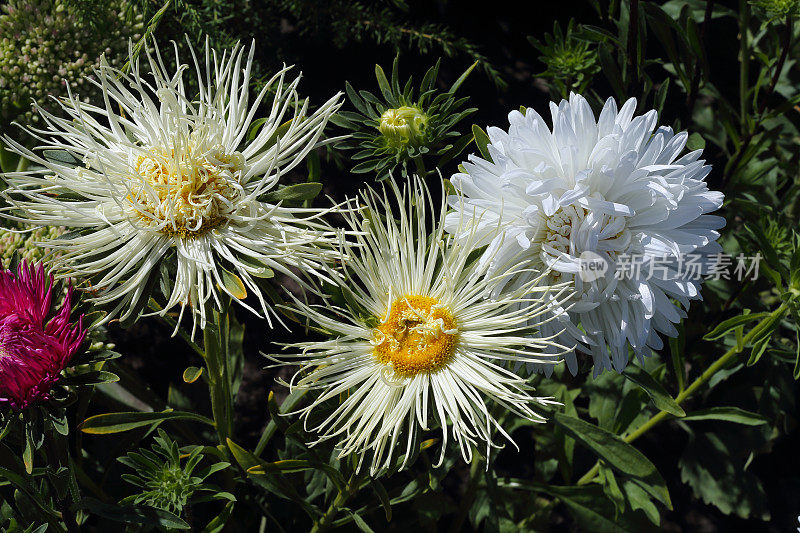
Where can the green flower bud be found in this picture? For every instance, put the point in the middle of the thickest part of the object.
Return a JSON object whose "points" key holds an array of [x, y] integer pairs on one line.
{"points": [[24, 245], [775, 10], [45, 43], [405, 125]]}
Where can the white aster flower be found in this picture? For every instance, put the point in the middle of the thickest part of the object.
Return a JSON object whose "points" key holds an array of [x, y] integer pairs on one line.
{"points": [[422, 343], [607, 189], [161, 174]]}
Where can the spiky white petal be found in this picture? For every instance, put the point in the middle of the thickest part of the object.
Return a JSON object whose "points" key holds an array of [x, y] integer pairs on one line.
{"points": [[385, 405], [613, 186], [160, 170]]}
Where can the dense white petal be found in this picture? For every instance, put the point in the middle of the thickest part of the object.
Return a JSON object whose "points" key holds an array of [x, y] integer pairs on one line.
{"points": [[616, 186]]}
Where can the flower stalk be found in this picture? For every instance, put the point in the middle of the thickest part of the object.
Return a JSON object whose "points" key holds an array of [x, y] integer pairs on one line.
{"points": [[216, 336], [696, 384]]}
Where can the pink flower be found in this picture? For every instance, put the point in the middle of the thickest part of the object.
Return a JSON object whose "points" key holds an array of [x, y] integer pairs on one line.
{"points": [[36, 341]]}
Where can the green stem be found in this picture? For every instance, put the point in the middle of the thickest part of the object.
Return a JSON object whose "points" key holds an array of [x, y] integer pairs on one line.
{"points": [[633, 43], [56, 449], [288, 404], [749, 130], [691, 96], [696, 384], [326, 520], [744, 60], [420, 164], [215, 343]]}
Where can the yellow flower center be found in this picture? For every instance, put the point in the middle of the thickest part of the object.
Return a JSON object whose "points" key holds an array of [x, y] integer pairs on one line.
{"points": [[418, 335], [186, 193]]}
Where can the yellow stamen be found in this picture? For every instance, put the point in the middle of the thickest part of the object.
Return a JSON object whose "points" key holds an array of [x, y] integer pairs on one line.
{"points": [[417, 335], [186, 194]]}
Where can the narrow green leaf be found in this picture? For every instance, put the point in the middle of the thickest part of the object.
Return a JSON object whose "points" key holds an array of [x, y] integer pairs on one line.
{"points": [[361, 524], [383, 496], [93, 377], [661, 399], [727, 414], [724, 327], [289, 466], [677, 348], [383, 83], [118, 422], [461, 79], [294, 193], [27, 453], [279, 132], [481, 141], [218, 523], [61, 157]]}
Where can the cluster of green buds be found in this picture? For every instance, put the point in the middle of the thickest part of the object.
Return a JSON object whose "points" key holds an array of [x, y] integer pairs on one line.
{"points": [[26, 244], [46, 44], [777, 10], [405, 125], [166, 481], [571, 62]]}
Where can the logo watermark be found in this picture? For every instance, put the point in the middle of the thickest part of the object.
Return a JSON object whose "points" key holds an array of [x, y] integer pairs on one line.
{"points": [[591, 266]]}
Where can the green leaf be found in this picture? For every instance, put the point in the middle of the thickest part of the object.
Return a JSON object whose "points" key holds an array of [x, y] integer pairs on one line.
{"points": [[713, 464], [298, 192], [661, 96], [611, 488], [93, 377], [383, 83], [728, 414], [589, 507], [677, 348], [289, 466], [383, 496], [218, 523], [724, 327], [256, 268], [481, 141], [118, 422], [361, 524], [616, 452], [233, 284], [661, 399], [61, 157], [695, 142], [759, 347], [279, 132], [639, 499], [192, 374], [461, 79], [133, 514]]}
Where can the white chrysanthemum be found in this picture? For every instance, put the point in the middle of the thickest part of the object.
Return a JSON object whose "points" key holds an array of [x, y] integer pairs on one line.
{"points": [[616, 187], [422, 341], [161, 170]]}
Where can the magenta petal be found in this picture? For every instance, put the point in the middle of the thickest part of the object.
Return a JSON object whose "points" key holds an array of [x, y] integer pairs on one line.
{"points": [[36, 341]]}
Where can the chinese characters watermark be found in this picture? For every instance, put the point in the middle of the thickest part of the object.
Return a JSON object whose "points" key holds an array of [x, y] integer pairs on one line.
{"points": [[685, 267]]}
